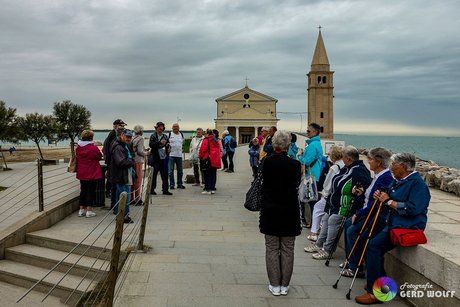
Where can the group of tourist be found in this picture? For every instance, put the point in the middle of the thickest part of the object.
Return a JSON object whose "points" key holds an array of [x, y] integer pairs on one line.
{"points": [[348, 196], [124, 155]]}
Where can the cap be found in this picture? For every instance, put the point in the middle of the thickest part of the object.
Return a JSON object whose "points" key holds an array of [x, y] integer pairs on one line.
{"points": [[159, 124], [119, 122], [127, 132]]}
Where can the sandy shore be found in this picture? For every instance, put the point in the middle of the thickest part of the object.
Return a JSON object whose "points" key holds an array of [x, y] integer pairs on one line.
{"points": [[29, 155]]}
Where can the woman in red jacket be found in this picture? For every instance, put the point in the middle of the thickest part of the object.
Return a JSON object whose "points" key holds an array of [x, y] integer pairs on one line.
{"points": [[210, 151], [88, 172]]}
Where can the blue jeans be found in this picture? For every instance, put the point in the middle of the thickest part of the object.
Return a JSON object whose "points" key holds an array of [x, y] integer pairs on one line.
{"points": [[375, 257], [210, 179], [120, 189], [178, 162]]}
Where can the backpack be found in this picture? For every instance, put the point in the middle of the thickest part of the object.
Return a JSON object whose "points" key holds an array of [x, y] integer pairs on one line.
{"points": [[322, 176], [233, 143]]}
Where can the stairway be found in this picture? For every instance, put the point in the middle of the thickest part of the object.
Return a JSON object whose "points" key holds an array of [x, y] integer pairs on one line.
{"points": [[25, 264]]}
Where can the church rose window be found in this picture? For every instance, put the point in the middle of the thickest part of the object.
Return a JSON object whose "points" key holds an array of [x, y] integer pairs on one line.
{"points": [[246, 96]]}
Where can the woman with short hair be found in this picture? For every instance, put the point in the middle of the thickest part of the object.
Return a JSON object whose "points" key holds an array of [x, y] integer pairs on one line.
{"points": [[280, 212], [211, 149], [88, 172], [140, 153]]}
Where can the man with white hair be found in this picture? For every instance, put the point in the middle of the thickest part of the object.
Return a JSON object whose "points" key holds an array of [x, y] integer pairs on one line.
{"points": [[176, 140]]}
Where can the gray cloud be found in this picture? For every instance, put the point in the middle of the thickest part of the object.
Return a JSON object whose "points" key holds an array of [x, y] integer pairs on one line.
{"points": [[148, 60]]}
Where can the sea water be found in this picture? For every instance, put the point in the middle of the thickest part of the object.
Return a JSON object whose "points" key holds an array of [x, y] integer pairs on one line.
{"points": [[441, 149]]}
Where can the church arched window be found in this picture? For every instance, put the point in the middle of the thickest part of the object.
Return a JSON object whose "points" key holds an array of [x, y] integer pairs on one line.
{"points": [[319, 79], [322, 129], [324, 79], [321, 115]]}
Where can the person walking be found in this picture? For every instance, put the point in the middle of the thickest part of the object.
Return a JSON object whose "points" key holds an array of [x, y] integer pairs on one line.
{"points": [[229, 144], [254, 150], [279, 217], [88, 172], [158, 159], [176, 141], [122, 169], [210, 150], [195, 146], [139, 158]]}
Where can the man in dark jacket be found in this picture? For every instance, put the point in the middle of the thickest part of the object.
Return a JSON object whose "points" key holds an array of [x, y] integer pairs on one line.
{"points": [[159, 150], [110, 190], [122, 169]]}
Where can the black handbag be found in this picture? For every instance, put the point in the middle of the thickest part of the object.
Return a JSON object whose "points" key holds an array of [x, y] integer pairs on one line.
{"points": [[254, 195], [205, 164]]}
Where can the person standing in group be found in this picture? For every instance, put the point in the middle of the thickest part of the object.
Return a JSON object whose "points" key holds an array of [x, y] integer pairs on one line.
{"points": [[176, 141], [210, 150], [195, 145], [279, 217], [262, 138], [254, 150], [268, 148], [229, 144], [311, 160], [122, 170], [158, 159], [293, 149], [110, 190], [139, 158], [88, 172]]}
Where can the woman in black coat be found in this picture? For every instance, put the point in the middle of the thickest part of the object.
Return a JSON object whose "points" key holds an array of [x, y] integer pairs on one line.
{"points": [[280, 213]]}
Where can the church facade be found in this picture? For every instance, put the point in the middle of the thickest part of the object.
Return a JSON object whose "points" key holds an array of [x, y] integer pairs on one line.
{"points": [[244, 113]]}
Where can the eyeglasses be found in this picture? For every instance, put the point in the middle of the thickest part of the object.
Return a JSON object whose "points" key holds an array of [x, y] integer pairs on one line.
{"points": [[308, 131]]}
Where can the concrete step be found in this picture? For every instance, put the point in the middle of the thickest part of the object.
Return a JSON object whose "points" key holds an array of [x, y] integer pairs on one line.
{"points": [[25, 275], [41, 239], [47, 258], [10, 294]]}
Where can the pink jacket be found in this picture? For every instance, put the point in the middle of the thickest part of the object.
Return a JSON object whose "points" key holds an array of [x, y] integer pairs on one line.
{"points": [[214, 148], [88, 157]]}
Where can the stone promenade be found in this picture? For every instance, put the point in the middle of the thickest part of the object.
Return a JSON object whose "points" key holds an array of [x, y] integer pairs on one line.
{"points": [[207, 251]]}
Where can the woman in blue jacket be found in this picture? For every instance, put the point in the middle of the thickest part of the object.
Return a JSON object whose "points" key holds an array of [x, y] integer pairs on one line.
{"points": [[408, 198]]}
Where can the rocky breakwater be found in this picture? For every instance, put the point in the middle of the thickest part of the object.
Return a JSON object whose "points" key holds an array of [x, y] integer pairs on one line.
{"points": [[436, 176]]}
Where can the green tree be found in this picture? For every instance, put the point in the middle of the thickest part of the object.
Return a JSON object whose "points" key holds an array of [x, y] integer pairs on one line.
{"points": [[71, 120], [8, 123], [37, 127]]}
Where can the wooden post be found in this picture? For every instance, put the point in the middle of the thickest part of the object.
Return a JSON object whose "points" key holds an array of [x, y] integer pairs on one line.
{"points": [[140, 244], [113, 273], [40, 185]]}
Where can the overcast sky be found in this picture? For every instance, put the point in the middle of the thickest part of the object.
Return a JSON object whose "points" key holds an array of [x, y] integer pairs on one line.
{"points": [[396, 63]]}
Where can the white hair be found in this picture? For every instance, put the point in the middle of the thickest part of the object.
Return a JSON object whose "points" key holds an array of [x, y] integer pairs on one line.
{"points": [[138, 129], [281, 140]]}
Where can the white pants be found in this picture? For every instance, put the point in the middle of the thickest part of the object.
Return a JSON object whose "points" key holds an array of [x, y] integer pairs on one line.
{"points": [[318, 212]]}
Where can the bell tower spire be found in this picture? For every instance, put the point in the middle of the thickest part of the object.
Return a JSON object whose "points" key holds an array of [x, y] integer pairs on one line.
{"points": [[320, 90]]}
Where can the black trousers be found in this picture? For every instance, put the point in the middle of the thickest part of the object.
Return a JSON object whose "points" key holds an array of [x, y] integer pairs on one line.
{"points": [[162, 168]]}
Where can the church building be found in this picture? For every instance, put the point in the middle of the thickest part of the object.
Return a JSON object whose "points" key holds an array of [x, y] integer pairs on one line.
{"points": [[244, 113], [320, 91]]}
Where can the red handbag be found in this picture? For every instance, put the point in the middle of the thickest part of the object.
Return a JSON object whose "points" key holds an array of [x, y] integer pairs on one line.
{"points": [[407, 237]]}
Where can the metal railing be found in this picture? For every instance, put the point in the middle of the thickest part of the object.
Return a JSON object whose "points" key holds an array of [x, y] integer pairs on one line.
{"points": [[107, 268]]}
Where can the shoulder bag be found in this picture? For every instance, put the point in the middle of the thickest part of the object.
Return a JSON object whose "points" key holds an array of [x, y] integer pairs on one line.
{"points": [[205, 164], [254, 195], [407, 237]]}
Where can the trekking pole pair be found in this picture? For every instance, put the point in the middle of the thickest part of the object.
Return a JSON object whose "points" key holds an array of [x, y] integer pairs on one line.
{"points": [[361, 259]]}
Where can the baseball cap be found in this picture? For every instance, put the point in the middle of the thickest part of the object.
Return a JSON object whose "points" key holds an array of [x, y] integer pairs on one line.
{"points": [[127, 132], [119, 122]]}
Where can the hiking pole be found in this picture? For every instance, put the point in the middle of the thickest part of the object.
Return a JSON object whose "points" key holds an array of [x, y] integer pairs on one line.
{"points": [[347, 258], [339, 233], [364, 249]]}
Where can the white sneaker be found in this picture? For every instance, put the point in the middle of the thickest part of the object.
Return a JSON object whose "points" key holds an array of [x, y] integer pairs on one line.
{"points": [[284, 290], [82, 213], [213, 192], [312, 248], [90, 213], [274, 290], [206, 193]]}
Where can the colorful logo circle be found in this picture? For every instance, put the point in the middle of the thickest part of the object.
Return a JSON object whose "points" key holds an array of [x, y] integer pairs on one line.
{"points": [[385, 289]]}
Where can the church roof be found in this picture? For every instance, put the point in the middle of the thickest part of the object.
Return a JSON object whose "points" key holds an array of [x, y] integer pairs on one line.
{"points": [[320, 55], [246, 89]]}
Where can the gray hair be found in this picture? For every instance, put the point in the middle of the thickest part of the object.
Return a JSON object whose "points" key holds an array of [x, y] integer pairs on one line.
{"points": [[380, 154], [351, 152], [138, 129], [406, 159], [199, 129], [281, 140]]}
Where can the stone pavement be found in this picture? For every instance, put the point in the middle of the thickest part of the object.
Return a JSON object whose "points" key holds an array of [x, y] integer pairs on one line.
{"points": [[207, 251]]}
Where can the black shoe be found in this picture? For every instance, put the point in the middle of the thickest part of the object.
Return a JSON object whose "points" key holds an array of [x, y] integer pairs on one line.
{"points": [[230, 171], [128, 220], [171, 187], [139, 203], [153, 193], [167, 193], [180, 187], [114, 212], [107, 195]]}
